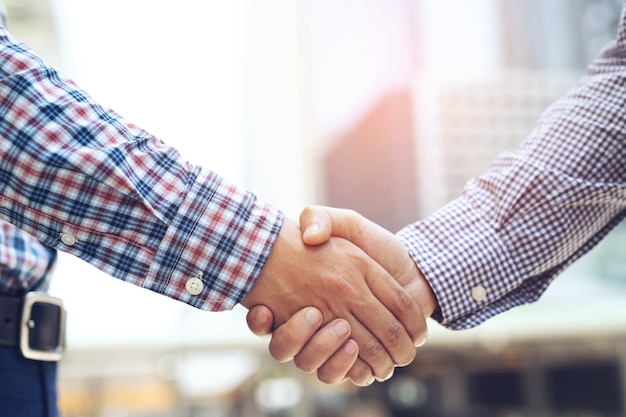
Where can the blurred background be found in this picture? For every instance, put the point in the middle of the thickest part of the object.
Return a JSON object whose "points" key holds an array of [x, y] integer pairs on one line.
{"points": [[384, 106]]}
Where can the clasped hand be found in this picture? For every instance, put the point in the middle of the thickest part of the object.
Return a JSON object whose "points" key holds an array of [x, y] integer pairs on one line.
{"points": [[365, 300]]}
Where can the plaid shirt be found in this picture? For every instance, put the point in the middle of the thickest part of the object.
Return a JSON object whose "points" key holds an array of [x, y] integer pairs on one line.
{"points": [[537, 210], [77, 177]]}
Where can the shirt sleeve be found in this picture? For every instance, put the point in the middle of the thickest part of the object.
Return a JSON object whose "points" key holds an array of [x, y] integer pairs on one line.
{"points": [[535, 211], [81, 179]]}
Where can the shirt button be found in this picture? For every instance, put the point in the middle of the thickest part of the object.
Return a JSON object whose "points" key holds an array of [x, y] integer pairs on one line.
{"points": [[194, 286], [68, 239], [479, 293]]}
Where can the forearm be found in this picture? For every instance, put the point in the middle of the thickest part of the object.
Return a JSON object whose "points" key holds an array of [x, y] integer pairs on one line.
{"points": [[535, 211], [129, 204]]}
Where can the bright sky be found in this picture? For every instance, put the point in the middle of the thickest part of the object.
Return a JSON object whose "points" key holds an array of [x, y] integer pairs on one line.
{"points": [[141, 58]]}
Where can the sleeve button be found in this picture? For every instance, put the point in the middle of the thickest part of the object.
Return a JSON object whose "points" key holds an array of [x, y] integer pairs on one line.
{"points": [[68, 239], [194, 286], [479, 293]]}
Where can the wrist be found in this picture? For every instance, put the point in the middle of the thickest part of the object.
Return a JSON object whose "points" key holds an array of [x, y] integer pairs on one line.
{"points": [[270, 284], [420, 290], [427, 300]]}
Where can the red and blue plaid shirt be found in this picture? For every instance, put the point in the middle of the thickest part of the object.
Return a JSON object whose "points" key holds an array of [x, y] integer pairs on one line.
{"points": [[77, 177]]}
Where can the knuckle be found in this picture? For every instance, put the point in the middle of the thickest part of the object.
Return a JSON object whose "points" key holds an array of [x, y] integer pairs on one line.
{"points": [[405, 302], [354, 254], [372, 349], [344, 286], [361, 232], [395, 332], [403, 354]]}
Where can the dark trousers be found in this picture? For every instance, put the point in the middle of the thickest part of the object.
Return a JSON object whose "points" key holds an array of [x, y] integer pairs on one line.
{"points": [[27, 387]]}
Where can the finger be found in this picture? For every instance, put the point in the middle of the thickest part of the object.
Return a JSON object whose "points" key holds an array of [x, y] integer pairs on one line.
{"points": [[336, 368], [397, 322], [382, 246], [293, 335], [321, 346], [371, 350], [361, 374], [260, 320], [379, 243], [316, 225], [383, 340]]}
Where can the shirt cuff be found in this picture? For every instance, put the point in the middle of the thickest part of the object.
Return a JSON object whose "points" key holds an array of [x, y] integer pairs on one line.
{"points": [[462, 257], [225, 236]]}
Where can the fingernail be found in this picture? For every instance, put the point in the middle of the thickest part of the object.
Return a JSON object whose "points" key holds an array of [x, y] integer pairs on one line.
{"points": [[370, 380], [312, 317], [386, 378], [350, 348], [312, 228], [421, 342], [340, 328]]}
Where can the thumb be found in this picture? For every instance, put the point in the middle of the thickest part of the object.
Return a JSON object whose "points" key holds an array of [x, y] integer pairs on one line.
{"points": [[260, 320], [319, 223], [316, 225], [379, 243]]}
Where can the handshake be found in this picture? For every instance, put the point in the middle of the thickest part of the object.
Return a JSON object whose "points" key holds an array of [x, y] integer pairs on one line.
{"points": [[342, 297]]}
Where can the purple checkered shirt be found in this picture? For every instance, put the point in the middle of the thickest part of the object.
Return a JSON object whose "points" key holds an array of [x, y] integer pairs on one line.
{"points": [[537, 210], [77, 177]]}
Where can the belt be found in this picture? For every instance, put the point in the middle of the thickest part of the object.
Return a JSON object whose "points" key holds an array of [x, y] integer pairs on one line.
{"points": [[35, 323]]}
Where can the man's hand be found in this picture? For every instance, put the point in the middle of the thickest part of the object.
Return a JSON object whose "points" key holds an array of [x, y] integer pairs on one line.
{"points": [[310, 347], [318, 224], [341, 281]]}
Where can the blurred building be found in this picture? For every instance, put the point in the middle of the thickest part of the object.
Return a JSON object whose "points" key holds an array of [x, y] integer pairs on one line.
{"points": [[460, 127], [478, 89], [371, 168], [555, 35]]}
